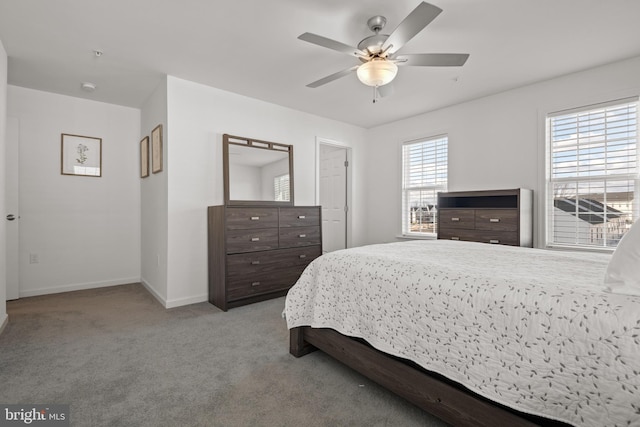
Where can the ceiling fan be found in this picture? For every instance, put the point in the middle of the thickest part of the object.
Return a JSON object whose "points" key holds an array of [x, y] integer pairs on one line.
{"points": [[379, 52]]}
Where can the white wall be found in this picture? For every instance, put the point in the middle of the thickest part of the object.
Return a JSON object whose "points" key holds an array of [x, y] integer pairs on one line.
{"points": [[3, 212], [198, 116], [494, 142], [153, 208], [84, 230]]}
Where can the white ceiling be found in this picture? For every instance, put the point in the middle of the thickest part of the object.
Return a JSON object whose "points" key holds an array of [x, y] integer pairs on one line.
{"points": [[250, 47]]}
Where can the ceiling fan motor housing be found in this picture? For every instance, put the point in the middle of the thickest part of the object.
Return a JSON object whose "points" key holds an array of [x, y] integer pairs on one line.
{"points": [[372, 44]]}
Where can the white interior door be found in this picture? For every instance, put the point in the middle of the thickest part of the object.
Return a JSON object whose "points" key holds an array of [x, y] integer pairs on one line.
{"points": [[12, 215], [333, 196]]}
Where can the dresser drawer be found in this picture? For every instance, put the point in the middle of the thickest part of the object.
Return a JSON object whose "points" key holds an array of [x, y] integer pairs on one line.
{"points": [[497, 237], [299, 236], [497, 219], [299, 217], [261, 283], [455, 234], [248, 218], [250, 264], [456, 218], [252, 240]]}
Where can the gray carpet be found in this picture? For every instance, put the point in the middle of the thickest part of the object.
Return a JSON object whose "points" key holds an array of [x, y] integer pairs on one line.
{"points": [[120, 359]]}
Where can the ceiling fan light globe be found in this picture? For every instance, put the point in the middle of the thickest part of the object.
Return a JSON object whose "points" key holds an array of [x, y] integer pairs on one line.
{"points": [[377, 72]]}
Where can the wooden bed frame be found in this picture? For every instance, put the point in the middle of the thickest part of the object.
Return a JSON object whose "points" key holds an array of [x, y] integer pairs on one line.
{"points": [[431, 392]]}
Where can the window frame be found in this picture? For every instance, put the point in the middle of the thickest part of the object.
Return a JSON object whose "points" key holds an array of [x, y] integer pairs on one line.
{"points": [[604, 178], [436, 187]]}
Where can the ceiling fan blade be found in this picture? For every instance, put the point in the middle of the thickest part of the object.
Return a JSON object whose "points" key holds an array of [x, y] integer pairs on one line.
{"points": [[332, 77], [432, 59], [332, 44], [415, 22]]}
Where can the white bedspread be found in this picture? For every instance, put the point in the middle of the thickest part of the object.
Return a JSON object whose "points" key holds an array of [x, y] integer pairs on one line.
{"points": [[531, 329]]}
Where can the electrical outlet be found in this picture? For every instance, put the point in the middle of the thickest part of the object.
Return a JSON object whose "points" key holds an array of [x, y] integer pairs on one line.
{"points": [[34, 258]]}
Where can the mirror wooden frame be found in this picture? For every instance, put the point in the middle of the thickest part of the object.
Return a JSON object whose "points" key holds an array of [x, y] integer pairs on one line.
{"points": [[259, 145]]}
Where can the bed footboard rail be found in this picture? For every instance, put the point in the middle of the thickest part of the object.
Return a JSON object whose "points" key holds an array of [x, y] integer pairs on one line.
{"points": [[435, 395]]}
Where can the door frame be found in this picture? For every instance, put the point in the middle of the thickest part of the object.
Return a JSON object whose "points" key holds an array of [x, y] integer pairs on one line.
{"points": [[12, 273], [349, 177]]}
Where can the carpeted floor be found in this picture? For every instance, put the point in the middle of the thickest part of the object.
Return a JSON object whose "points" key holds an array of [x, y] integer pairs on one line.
{"points": [[120, 359]]}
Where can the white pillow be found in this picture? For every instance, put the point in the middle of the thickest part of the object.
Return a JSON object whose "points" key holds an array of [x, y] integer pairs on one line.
{"points": [[623, 271]]}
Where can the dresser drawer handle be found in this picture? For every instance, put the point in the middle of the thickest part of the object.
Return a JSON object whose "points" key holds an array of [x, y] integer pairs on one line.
{"points": [[255, 239], [302, 256], [494, 219], [255, 218], [303, 235], [255, 262], [255, 284], [301, 217], [455, 219], [494, 241], [455, 238]]}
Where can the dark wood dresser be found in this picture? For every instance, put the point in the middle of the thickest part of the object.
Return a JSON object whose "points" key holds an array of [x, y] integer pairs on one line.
{"points": [[258, 252], [497, 216]]}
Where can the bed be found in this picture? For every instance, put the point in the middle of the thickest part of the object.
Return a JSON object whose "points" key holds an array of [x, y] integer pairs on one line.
{"points": [[477, 334]]}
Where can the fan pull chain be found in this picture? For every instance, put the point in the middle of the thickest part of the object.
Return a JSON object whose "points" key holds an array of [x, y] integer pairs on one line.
{"points": [[375, 94]]}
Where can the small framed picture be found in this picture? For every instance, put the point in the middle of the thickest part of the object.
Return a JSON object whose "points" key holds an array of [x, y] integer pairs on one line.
{"points": [[81, 155], [156, 149], [144, 157]]}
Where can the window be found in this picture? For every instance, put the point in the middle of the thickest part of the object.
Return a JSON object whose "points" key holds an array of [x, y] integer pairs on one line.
{"points": [[281, 188], [424, 174], [593, 181]]}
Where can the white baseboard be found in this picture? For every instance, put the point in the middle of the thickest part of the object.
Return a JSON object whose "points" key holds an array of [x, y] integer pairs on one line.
{"points": [[77, 287], [4, 323], [82, 286], [153, 292], [186, 301], [173, 303]]}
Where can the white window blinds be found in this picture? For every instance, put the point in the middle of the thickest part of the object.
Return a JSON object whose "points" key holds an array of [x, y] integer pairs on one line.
{"points": [[424, 174], [281, 188], [593, 174]]}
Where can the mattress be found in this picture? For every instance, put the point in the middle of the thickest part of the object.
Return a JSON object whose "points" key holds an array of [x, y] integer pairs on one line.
{"points": [[528, 328]]}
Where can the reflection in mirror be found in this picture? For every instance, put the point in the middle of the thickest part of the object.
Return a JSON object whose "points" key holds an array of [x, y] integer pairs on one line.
{"points": [[258, 174], [257, 171]]}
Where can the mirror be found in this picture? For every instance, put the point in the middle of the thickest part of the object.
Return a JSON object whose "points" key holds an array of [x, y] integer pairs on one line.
{"points": [[257, 172]]}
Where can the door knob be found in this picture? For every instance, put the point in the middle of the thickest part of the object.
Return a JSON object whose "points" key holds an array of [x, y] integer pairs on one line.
{"points": [[11, 217]]}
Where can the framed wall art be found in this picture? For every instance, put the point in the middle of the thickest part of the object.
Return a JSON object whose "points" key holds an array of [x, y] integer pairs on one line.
{"points": [[81, 155], [144, 157], [156, 149]]}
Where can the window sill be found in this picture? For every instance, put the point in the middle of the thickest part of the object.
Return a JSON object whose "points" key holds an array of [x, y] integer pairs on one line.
{"points": [[579, 249], [417, 236]]}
